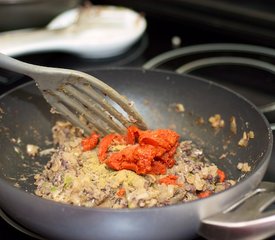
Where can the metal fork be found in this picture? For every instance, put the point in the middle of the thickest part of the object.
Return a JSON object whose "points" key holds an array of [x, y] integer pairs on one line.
{"points": [[77, 96]]}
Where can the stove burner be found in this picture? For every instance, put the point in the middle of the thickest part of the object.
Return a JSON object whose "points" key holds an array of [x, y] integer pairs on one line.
{"points": [[206, 62], [241, 67], [209, 49]]}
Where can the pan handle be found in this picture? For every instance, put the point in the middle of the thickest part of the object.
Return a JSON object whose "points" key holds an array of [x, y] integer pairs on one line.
{"points": [[250, 218]]}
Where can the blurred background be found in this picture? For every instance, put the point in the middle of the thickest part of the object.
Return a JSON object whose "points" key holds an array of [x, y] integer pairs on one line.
{"points": [[251, 20], [247, 20]]}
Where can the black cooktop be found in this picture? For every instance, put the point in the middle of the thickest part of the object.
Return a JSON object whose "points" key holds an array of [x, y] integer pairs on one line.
{"points": [[230, 60]]}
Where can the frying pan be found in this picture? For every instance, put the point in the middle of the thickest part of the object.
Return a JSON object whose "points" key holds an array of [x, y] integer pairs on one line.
{"points": [[26, 119]]}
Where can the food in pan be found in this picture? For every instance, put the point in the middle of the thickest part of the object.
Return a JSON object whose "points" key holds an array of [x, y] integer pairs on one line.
{"points": [[32, 150], [245, 138], [244, 167], [140, 169], [216, 121]]}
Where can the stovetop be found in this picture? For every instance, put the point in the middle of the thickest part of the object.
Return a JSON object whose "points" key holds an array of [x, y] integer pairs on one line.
{"points": [[232, 61]]}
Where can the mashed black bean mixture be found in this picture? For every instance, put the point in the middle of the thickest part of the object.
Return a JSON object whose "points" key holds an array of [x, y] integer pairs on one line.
{"points": [[77, 177]]}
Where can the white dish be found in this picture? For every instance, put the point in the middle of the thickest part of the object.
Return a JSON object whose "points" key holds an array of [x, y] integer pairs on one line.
{"points": [[93, 32]]}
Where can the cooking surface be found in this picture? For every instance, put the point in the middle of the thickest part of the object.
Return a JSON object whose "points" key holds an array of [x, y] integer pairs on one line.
{"points": [[255, 83]]}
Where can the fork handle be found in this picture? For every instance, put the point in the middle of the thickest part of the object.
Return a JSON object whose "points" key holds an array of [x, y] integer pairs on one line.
{"points": [[39, 74], [30, 70], [15, 65]]}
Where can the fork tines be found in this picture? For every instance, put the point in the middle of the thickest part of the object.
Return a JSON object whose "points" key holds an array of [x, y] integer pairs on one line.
{"points": [[96, 107]]}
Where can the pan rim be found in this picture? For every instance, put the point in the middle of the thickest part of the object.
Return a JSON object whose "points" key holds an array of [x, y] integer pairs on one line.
{"points": [[265, 157]]}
